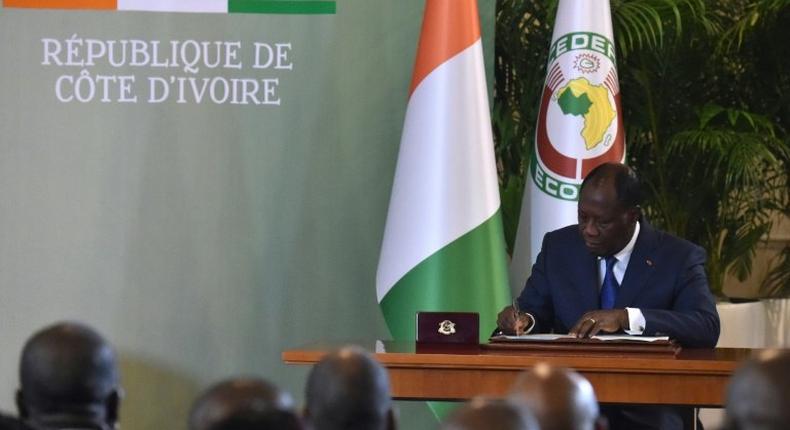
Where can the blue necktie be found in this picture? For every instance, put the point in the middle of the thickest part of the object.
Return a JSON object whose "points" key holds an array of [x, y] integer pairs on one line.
{"points": [[610, 285]]}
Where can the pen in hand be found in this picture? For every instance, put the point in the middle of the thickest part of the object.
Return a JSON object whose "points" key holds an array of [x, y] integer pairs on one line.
{"points": [[517, 317], [524, 320]]}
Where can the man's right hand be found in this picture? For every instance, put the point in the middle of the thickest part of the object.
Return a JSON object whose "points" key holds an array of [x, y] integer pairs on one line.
{"points": [[513, 323], [506, 320]]}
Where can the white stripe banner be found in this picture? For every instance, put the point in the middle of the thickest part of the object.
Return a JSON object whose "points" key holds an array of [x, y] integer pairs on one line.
{"points": [[195, 6]]}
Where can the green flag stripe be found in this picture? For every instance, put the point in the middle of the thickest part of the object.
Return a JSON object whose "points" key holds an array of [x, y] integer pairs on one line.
{"points": [[468, 275], [282, 7]]}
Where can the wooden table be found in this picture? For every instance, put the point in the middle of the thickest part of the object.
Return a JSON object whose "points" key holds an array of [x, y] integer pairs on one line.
{"points": [[694, 377]]}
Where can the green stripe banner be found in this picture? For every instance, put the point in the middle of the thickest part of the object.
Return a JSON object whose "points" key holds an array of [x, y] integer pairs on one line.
{"points": [[282, 7]]}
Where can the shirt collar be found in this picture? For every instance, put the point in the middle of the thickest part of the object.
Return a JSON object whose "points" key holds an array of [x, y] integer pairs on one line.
{"points": [[625, 253]]}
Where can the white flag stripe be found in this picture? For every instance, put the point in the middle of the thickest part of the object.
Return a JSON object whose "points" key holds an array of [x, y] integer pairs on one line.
{"points": [[213, 6], [562, 213], [445, 182], [582, 15]]}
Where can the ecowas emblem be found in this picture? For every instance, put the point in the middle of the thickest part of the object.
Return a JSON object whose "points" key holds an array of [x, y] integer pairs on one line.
{"points": [[447, 327], [580, 124]]}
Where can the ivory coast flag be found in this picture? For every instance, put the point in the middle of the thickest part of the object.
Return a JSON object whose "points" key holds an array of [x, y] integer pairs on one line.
{"points": [[443, 246], [580, 125], [194, 6]]}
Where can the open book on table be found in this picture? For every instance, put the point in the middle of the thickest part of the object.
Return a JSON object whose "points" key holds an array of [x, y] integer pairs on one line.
{"points": [[604, 343], [601, 337]]}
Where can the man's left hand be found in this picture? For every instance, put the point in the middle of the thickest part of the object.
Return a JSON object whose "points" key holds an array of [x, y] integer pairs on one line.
{"points": [[607, 321]]}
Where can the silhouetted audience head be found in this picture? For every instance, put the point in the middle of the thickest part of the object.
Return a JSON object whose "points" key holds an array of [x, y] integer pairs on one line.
{"points": [[486, 414], [10, 423], [68, 379], [244, 404], [561, 399], [7, 423], [758, 394], [349, 390]]}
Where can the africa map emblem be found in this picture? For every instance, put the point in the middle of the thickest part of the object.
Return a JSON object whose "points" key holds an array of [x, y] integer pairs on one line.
{"points": [[580, 123]]}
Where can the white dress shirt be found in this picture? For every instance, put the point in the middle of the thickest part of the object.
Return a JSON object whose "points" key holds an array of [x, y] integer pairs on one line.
{"points": [[636, 320]]}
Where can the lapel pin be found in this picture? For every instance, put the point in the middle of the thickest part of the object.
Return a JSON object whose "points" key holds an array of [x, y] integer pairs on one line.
{"points": [[649, 262]]}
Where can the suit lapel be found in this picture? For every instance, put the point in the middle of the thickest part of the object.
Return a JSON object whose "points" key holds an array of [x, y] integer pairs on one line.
{"points": [[588, 279], [640, 267]]}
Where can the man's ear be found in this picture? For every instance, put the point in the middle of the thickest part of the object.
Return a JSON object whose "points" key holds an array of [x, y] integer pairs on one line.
{"points": [[20, 405], [113, 406]]}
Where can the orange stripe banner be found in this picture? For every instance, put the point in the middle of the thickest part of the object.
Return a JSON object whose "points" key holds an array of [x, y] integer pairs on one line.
{"points": [[449, 27], [62, 4]]}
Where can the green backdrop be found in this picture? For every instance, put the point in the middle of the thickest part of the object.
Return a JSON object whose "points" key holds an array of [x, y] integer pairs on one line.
{"points": [[203, 238]]}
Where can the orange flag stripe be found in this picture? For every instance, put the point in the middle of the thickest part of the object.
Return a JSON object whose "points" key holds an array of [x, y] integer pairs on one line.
{"points": [[62, 4], [449, 27]]}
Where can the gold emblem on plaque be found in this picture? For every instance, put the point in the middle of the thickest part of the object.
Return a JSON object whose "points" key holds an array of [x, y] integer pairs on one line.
{"points": [[447, 327]]}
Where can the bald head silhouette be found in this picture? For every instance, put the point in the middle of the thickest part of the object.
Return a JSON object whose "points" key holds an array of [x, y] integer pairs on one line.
{"points": [[485, 414], [561, 399], [349, 390], [68, 379], [244, 404], [757, 397]]}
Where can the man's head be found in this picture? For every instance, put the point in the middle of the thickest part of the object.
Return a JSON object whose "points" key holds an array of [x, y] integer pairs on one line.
{"points": [[609, 208], [483, 414], [758, 393], [349, 390], [244, 404], [561, 399], [69, 379]]}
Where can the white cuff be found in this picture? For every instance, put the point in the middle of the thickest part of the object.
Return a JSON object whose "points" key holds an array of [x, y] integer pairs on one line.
{"points": [[636, 321]]}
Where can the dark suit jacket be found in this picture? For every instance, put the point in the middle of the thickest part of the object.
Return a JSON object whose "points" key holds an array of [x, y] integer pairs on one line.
{"points": [[665, 279]]}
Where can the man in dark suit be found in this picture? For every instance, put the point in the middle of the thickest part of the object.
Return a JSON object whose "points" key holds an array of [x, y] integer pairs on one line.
{"points": [[561, 399], [757, 397], [348, 390], [244, 404], [613, 272], [69, 380], [484, 414]]}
